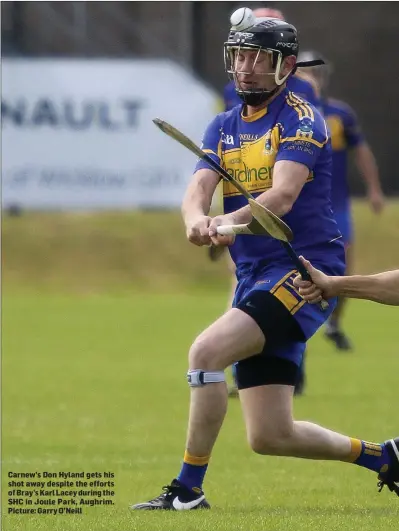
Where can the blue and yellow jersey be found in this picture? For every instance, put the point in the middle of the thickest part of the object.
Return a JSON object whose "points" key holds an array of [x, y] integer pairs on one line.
{"points": [[345, 134], [248, 147], [302, 88]]}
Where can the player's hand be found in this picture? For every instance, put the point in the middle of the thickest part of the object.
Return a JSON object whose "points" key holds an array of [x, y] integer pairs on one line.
{"points": [[320, 287], [197, 230], [377, 201], [218, 239]]}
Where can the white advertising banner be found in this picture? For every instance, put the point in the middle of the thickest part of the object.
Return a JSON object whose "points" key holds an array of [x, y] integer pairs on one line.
{"points": [[79, 133]]}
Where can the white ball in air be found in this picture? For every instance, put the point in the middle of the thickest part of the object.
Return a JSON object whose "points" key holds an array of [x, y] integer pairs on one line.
{"points": [[242, 19]]}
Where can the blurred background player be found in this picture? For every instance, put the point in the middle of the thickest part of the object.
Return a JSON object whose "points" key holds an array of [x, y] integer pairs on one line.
{"points": [[346, 136], [302, 85]]}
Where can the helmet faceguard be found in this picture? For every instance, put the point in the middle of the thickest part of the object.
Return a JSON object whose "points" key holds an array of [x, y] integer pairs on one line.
{"points": [[272, 36]]}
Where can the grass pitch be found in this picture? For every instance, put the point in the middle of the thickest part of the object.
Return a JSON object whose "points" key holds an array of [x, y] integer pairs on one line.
{"points": [[97, 383], [98, 314]]}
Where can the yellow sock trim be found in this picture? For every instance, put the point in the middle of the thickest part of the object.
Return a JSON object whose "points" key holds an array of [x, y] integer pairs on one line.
{"points": [[193, 460], [356, 450], [372, 449]]}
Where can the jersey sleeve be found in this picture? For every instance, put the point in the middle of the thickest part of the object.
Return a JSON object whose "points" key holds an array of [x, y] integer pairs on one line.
{"points": [[303, 137], [211, 143], [353, 132]]}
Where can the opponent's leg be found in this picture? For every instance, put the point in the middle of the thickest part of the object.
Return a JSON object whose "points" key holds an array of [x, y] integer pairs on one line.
{"points": [[233, 336]]}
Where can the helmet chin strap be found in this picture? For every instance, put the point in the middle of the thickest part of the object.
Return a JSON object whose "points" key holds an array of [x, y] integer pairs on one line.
{"points": [[256, 97]]}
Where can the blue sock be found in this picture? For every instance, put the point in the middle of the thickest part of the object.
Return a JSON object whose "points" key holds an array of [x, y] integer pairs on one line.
{"points": [[373, 456], [193, 471]]}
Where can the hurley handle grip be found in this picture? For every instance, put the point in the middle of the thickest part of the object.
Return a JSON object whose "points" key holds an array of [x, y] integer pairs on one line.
{"points": [[227, 230]]}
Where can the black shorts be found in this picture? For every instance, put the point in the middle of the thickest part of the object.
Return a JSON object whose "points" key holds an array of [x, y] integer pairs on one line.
{"points": [[280, 360]]}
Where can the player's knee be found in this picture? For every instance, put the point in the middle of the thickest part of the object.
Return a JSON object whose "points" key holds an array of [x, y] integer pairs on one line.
{"points": [[203, 354], [272, 441], [202, 366]]}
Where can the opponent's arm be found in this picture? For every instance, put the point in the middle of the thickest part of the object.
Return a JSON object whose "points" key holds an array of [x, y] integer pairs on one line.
{"points": [[381, 287]]}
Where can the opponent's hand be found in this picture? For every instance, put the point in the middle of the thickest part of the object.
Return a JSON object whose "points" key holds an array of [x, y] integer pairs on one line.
{"points": [[320, 287], [218, 239], [377, 201], [197, 230]]}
